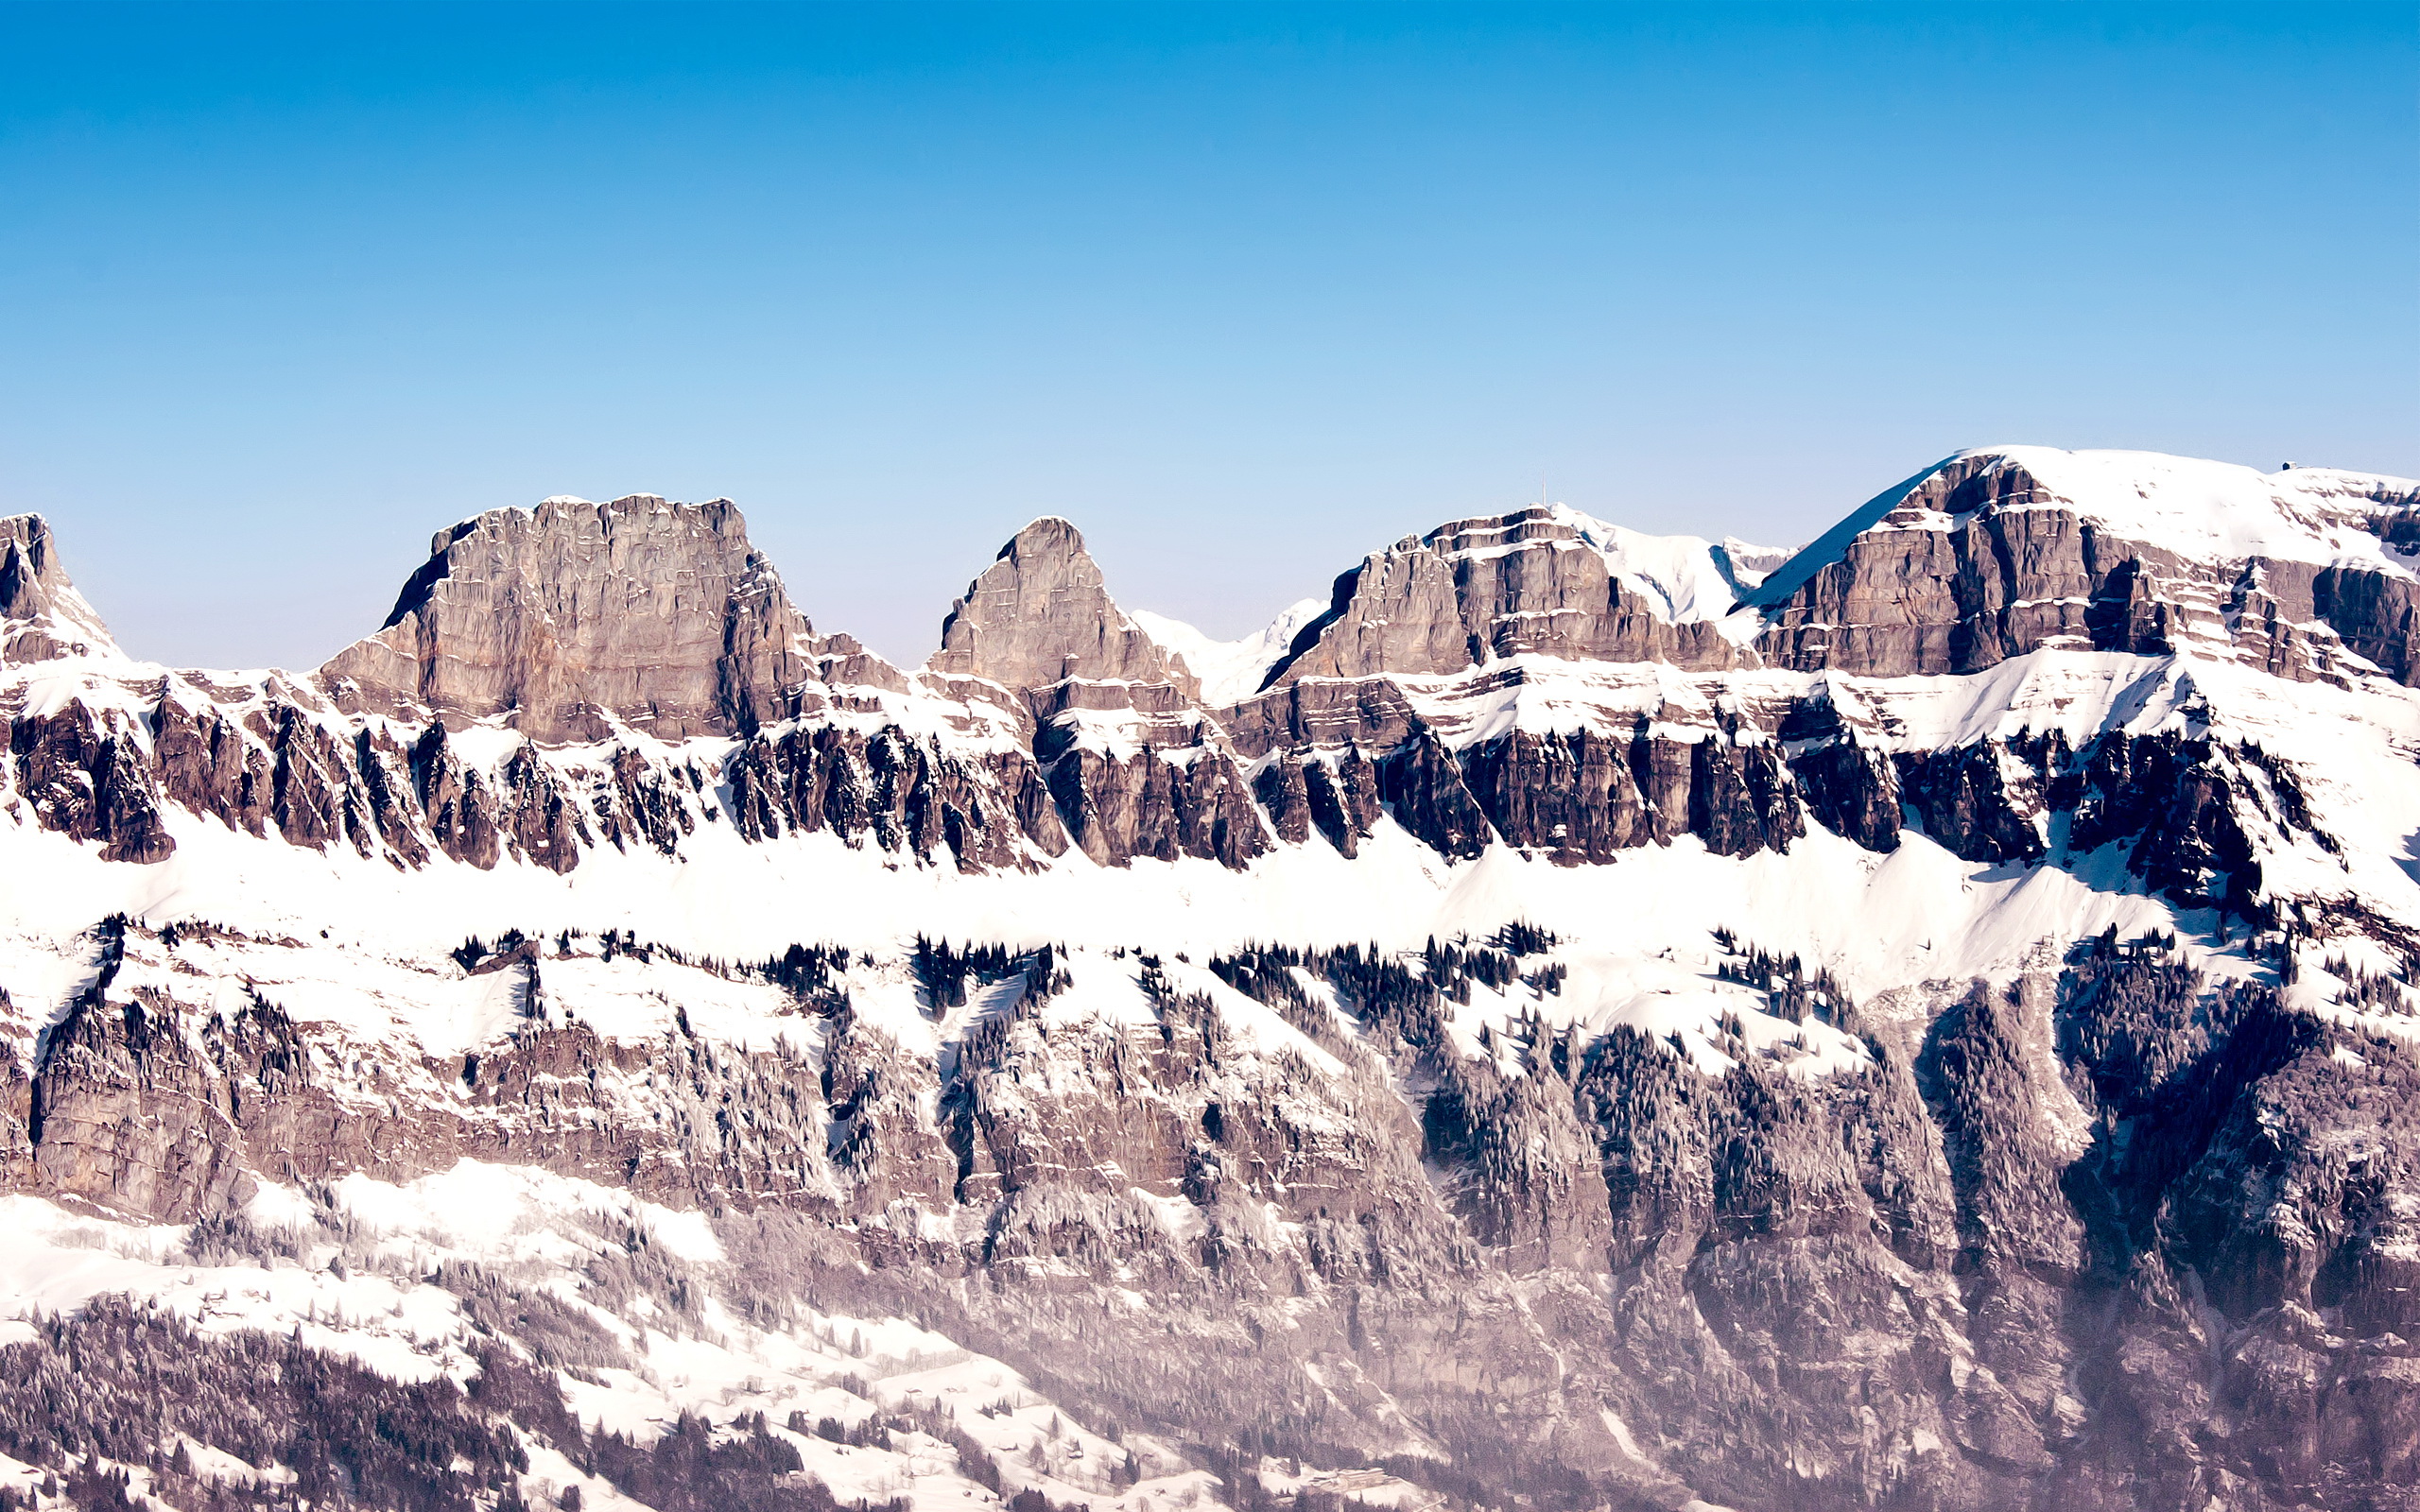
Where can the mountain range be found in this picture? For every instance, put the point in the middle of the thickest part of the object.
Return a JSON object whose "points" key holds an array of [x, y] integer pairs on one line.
{"points": [[1567, 1019]]}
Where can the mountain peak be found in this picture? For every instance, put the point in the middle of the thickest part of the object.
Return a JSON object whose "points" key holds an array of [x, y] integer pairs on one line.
{"points": [[42, 616], [572, 617], [1041, 614], [2221, 514]]}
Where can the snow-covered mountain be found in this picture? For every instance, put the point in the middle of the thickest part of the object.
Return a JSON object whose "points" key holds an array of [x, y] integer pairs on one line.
{"points": [[1570, 1017]]}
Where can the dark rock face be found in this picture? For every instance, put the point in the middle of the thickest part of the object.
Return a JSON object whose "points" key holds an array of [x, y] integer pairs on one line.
{"points": [[1345, 806], [641, 806], [901, 795], [89, 785], [2192, 808], [1851, 789], [1583, 799], [2377, 616], [41, 616], [205, 765], [1572, 797], [1741, 800], [1424, 789], [1981, 802], [1337, 797], [462, 815], [1117, 808], [1284, 796]]}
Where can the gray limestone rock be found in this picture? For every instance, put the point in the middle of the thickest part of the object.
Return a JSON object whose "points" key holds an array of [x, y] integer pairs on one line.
{"points": [[42, 616], [572, 617], [1040, 615], [1978, 560], [1476, 590]]}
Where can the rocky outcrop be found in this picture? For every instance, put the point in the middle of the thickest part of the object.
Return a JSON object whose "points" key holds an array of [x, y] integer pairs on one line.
{"points": [[901, 795], [2107, 1235], [2379, 617], [1343, 794], [1040, 614], [573, 618], [1476, 590], [84, 781], [1335, 796], [1981, 802], [2198, 815], [146, 1104], [1851, 789], [1423, 788], [1116, 808], [1980, 560], [1584, 798], [206, 764], [1572, 797], [1374, 714], [1135, 766], [41, 616], [1740, 799], [130, 1112]]}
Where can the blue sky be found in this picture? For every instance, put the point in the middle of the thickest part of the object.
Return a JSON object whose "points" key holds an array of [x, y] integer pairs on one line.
{"points": [[1245, 291]]}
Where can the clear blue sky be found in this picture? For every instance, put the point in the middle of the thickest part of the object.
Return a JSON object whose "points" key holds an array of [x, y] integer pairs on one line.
{"points": [[1246, 291]]}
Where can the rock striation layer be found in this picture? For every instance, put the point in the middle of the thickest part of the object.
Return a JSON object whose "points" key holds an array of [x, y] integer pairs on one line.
{"points": [[575, 618], [1981, 559], [1041, 615], [1598, 1022], [42, 616]]}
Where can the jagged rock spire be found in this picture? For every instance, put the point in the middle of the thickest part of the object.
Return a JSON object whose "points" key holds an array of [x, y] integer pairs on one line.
{"points": [[42, 616], [1039, 614], [573, 615]]}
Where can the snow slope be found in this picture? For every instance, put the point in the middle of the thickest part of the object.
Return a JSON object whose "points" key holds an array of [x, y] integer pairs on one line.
{"points": [[2199, 510], [1230, 671]]}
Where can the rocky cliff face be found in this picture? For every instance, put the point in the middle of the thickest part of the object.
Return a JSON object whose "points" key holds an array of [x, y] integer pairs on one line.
{"points": [[573, 618], [41, 616], [1135, 765], [1982, 559], [1476, 590], [1040, 615], [2112, 1234], [1931, 1027]]}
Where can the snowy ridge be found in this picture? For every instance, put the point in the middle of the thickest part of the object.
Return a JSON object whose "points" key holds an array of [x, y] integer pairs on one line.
{"points": [[707, 1056], [2202, 510], [2217, 511], [1684, 579], [1230, 671]]}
